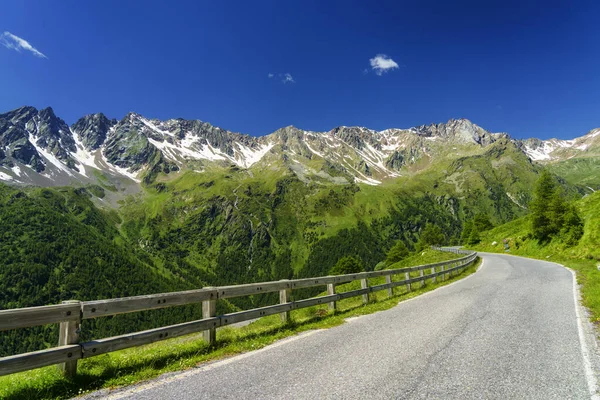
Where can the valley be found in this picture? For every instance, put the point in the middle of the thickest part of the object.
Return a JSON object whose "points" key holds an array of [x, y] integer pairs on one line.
{"points": [[106, 208]]}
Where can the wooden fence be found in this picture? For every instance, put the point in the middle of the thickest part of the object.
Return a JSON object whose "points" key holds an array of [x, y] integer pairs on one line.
{"points": [[70, 313]]}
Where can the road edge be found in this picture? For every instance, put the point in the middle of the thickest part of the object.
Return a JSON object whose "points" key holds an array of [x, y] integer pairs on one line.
{"points": [[587, 337]]}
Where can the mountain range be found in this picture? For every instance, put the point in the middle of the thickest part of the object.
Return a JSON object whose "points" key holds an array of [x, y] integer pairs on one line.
{"points": [[39, 148]]}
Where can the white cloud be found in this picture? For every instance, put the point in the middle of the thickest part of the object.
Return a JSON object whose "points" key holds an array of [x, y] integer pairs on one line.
{"points": [[382, 63], [285, 78], [288, 78], [13, 42]]}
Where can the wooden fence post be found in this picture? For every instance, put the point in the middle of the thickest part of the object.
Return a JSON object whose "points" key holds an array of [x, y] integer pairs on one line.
{"points": [[331, 290], [69, 334], [364, 283], [407, 277], [442, 271], [209, 310], [284, 297], [433, 272], [388, 279]]}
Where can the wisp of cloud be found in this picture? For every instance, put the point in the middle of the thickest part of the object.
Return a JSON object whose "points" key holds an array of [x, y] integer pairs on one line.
{"points": [[16, 43], [285, 78]]}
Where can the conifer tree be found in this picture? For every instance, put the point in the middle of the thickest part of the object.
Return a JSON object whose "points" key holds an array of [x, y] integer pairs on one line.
{"points": [[542, 225], [397, 253], [347, 265]]}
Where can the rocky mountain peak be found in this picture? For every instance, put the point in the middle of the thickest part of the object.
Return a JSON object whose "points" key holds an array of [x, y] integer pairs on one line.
{"points": [[93, 129], [460, 130], [20, 116]]}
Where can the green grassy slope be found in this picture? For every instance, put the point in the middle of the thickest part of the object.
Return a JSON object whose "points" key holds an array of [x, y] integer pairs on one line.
{"points": [[581, 171]]}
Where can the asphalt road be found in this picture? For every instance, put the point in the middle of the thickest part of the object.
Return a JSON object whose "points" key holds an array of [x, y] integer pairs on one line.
{"points": [[510, 331]]}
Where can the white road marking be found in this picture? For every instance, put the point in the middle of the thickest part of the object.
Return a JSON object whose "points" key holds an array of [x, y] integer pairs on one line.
{"points": [[590, 377]]}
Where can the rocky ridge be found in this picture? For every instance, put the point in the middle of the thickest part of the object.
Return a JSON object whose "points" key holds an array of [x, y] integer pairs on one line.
{"points": [[37, 147]]}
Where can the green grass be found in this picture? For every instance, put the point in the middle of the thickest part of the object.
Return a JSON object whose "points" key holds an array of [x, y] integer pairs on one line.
{"points": [[129, 366], [578, 171]]}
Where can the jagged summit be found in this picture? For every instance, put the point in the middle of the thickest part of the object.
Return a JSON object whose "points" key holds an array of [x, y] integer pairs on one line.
{"points": [[37, 147]]}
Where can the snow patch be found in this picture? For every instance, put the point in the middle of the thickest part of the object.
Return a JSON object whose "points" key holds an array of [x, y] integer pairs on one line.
{"points": [[154, 127], [540, 153], [314, 151], [6, 177], [49, 156], [250, 156], [16, 170], [83, 156], [120, 170], [368, 181]]}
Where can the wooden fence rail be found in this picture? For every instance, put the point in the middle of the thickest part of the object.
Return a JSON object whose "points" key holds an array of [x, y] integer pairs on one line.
{"points": [[71, 313]]}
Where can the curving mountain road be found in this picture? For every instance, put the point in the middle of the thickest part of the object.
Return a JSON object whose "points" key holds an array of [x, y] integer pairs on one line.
{"points": [[509, 331]]}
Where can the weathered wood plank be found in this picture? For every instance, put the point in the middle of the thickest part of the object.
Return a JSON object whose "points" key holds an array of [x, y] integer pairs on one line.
{"points": [[227, 292], [209, 310], [351, 277], [311, 282], [388, 279], [314, 301], [69, 334], [353, 293], [38, 359], [103, 308], [34, 316], [383, 286], [331, 291], [101, 346], [232, 318], [285, 297], [364, 284]]}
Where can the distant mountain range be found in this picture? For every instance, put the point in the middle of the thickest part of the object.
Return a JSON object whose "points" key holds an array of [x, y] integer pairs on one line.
{"points": [[39, 148]]}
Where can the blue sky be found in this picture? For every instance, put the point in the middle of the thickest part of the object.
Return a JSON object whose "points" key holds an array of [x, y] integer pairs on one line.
{"points": [[529, 68]]}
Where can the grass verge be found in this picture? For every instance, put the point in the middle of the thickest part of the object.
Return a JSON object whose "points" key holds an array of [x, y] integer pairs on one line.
{"points": [[134, 365]]}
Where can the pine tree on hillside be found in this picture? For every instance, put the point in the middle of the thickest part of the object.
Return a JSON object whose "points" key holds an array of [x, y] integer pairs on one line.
{"points": [[572, 229], [482, 222], [397, 253], [431, 235], [347, 265], [542, 225], [474, 237], [552, 215], [557, 209], [466, 232]]}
